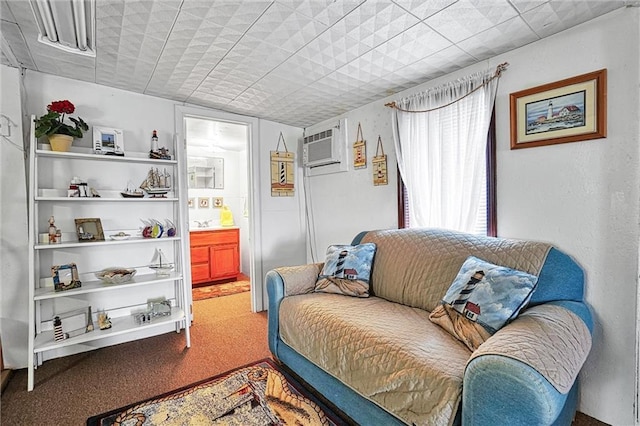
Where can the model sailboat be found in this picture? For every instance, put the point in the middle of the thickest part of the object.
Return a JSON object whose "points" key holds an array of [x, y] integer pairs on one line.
{"points": [[160, 265], [157, 183]]}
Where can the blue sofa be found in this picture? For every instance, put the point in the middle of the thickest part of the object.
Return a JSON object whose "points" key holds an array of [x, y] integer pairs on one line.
{"points": [[499, 382]]}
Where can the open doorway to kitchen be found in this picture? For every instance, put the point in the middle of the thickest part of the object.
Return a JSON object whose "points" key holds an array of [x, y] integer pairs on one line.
{"points": [[217, 163]]}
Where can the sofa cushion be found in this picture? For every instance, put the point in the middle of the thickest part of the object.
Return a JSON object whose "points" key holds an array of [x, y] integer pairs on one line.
{"points": [[389, 353], [415, 267], [482, 299], [347, 270]]}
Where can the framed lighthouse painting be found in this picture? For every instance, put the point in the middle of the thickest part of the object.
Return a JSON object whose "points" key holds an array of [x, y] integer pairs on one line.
{"points": [[570, 110]]}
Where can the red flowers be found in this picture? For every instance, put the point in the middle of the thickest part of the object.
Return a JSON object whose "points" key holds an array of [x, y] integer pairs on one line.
{"points": [[53, 121], [61, 107]]}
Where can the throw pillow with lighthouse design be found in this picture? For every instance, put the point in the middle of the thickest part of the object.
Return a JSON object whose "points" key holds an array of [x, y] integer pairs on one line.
{"points": [[482, 299], [347, 270]]}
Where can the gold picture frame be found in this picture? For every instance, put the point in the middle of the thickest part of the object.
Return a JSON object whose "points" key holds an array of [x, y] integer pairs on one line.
{"points": [[89, 229], [570, 110]]}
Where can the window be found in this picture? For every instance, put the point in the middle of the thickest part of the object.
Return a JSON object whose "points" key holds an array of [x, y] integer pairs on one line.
{"points": [[489, 205], [445, 145]]}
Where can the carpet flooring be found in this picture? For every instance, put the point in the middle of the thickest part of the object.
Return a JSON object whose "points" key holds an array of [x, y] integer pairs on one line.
{"points": [[219, 290], [255, 395], [225, 335]]}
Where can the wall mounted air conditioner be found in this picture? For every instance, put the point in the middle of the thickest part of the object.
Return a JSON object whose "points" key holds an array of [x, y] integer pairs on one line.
{"points": [[325, 147]]}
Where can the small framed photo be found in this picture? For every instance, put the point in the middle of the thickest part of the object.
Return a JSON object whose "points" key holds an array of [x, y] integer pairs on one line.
{"points": [[217, 201], [191, 203], [203, 202], [108, 141], [89, 229], [65, 277], [570, 110]]}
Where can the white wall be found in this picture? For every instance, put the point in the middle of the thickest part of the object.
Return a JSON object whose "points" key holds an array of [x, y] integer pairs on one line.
{"points": [[283, 228], [14, 324], [345, 203], [137, 115], [582, 197]]}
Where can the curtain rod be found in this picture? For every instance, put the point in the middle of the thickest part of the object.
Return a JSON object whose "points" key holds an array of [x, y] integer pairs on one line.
{"points": [[499, 69]]}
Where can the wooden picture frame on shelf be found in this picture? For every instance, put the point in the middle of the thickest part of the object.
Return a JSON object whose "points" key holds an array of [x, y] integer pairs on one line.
{"points": [[89, 229], [570, 110]]}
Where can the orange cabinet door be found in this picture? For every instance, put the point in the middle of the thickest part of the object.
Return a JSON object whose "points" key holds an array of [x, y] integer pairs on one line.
{"points": [[224, 261]]}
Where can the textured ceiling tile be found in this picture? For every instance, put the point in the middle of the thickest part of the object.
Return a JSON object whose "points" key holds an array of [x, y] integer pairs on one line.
{"points": [[376, 22], [524, 5], [208, 100], [414, 44], [332, 49], [301, 70], [235, 15], [556, 16], [327, 12], [150, 17], [5, 12], [499, 39], [12, 34], [423, 9], [465, 18]]}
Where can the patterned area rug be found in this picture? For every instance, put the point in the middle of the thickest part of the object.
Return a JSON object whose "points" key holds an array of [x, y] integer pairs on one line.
{"points": [[258, 394], [219, 290]]}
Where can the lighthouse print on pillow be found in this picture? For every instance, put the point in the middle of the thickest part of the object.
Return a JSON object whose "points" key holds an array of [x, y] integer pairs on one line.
{"points": [[347, 270], [481, 300]]}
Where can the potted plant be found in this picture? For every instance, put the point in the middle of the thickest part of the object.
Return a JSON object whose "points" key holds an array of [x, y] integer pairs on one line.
{"points": [[53, 126]]}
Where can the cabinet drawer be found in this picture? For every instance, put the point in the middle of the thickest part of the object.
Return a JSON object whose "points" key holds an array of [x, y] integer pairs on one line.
{"points": [[214, 237], [199, 255], [200, 273]]}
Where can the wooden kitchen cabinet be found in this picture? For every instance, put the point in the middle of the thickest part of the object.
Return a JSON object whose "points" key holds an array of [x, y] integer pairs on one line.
{"points": [[215, 255]]}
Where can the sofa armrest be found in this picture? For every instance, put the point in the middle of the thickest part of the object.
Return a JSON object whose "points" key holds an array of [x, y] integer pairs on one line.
{"points": [[524, 372], [283, 282], [299, 279]]}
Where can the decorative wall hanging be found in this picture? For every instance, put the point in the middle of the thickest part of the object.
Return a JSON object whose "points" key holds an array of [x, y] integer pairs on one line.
{"points": [[217, 202], [570, 110], [379, 163], [203, 202], [359, 151], [282, 171]]}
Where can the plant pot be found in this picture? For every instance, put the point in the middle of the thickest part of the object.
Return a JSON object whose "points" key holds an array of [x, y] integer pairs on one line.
{"points": [[60, 142]]}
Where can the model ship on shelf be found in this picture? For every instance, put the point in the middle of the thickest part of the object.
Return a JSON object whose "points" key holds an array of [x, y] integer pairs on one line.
{"points": [[157, 183], [160, 265], [131, 192]]}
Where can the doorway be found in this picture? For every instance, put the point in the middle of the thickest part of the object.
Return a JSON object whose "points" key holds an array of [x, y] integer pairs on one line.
{"points": [[218, 189], [217, 160]]}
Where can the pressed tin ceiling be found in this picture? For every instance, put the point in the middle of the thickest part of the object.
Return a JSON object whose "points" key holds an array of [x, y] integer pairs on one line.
{"points": [[296, 62]]}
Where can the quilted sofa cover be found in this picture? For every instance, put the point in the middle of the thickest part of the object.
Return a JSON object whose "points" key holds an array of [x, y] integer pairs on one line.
{"points": [[381, 361]]}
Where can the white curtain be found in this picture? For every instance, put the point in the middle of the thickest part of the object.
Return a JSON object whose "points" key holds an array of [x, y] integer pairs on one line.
{"points": [[442, 152]]}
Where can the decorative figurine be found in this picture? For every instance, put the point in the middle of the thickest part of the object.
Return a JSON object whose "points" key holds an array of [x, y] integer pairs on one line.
{"points": [[58, 334], [89, 326], [53, 231], [104, 322]]}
